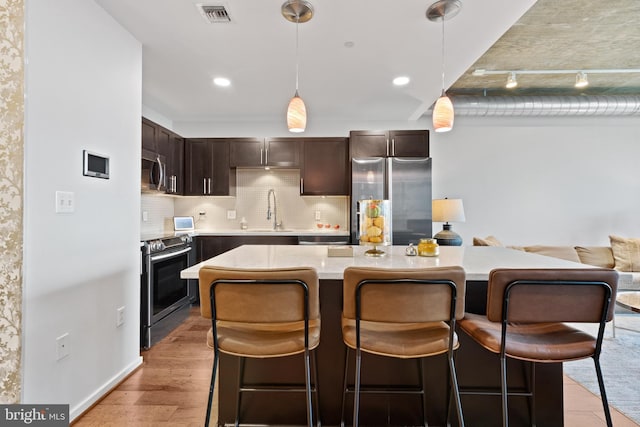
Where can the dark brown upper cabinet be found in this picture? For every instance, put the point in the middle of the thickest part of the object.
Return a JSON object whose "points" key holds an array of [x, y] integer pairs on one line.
{"points": [[170, 145], [207, 168], [325, 167], [149, 131], [276, 152], [392, 143]]}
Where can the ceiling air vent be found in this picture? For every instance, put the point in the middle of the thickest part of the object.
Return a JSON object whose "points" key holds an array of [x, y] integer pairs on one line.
{"points": [[214, 14]]}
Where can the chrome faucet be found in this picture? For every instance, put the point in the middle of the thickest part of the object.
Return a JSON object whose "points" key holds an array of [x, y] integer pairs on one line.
{"points": [[276, 225]]}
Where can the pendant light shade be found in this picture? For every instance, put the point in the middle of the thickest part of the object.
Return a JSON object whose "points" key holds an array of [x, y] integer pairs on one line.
{"points": [[297, 11], [296, 114], [443, 109], [443, 114]]}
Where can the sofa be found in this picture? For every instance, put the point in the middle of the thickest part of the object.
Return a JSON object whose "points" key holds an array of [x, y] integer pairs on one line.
{"points": [[623, 255]]}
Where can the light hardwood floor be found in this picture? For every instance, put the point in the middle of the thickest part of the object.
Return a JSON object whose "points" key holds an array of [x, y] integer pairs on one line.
{"points": [[171, 387]]}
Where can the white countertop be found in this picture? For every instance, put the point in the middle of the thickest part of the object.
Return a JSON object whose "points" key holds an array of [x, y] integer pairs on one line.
{"points": [[477, 261]]}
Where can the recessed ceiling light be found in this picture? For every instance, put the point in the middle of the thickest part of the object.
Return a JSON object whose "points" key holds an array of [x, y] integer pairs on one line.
{"points": [[222, 81], [349, 44], [401, 81]]}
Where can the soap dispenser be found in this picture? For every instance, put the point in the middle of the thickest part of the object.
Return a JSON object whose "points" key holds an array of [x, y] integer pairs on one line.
{"points": [[243, 224]]}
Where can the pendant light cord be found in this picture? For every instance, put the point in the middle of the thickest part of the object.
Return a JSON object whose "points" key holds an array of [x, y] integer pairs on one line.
{"points": [[443, 14], [297, 53]]}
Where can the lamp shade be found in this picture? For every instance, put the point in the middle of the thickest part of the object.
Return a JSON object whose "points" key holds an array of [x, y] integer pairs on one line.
{"points": [[447, 210], [443, 114], [296, 114]]}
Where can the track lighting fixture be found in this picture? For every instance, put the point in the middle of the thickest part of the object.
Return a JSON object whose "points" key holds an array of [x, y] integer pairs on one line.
{"points": [[581, 80], [511, 81]]}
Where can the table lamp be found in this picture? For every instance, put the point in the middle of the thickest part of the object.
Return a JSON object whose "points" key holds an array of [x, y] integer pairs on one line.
{"points": [[447, 210]]}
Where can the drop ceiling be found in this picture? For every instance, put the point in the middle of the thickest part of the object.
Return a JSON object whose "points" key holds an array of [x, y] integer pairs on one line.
{"points": [[351, 50]]}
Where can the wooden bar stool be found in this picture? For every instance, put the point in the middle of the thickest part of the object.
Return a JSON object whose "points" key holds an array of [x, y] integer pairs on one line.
{"points": [[404, 314], [526, 309], [263, 314]]}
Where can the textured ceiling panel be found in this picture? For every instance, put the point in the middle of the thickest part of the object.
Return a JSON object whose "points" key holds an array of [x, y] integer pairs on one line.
{"points": [[563, 35]]}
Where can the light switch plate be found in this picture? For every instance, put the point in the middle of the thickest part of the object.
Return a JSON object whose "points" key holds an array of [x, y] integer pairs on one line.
{"points": [[65, 202], [231, 214]]}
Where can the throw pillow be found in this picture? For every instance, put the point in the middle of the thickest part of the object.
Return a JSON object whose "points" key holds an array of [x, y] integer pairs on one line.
{"points": [[487, 241], [562, 252], [626, 253], [599, 256]]}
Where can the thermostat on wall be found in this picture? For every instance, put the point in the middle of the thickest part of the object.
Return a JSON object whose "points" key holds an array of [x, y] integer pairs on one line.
{"points": [[95, 165]]}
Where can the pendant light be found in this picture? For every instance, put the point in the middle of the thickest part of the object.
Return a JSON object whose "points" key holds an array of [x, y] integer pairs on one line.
{"points": [[443, 110], [298, 11]]}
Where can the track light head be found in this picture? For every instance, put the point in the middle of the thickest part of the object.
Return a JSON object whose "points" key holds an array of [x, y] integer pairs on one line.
{"points": [[581, 80], [511, 81]]}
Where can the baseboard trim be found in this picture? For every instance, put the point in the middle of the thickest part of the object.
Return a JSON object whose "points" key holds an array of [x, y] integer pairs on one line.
{"points": [[84, 406]]}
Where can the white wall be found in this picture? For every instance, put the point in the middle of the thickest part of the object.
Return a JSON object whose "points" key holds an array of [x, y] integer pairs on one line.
{"points": [[83, 86], [541, 180]]}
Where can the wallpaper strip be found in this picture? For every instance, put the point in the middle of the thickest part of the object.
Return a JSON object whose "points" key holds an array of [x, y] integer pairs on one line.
{"points": [[11, 191]]}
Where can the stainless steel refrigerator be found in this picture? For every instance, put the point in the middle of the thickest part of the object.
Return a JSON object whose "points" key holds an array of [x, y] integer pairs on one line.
{"points": [[406, 181]]}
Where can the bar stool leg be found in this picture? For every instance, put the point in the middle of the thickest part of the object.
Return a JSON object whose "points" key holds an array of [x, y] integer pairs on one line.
{"points": [[356, 395], [307, 376], [532, 398], [212, 387], [503, 376], [344, 386], [314, 361], [455, 390], [422, 390], [603, 393], [239, 388]]}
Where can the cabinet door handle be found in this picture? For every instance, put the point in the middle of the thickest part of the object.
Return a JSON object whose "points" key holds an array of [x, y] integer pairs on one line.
{"points": [[393, 146], [209, 179], [301, 185], [266, 156], [204, 185], [261, 156], [387, 147]]}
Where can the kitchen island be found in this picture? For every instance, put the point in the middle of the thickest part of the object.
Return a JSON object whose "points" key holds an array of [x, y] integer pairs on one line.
{"points": [[477, 368]]}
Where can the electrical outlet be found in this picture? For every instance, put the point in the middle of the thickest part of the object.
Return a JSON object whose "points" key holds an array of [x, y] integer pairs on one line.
{"points": [[120, 316], [202, 213], [62, 346], [231, 214], [318, 215], [145, 216]]}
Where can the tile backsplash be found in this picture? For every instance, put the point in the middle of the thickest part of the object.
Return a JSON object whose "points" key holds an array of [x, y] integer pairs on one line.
{"points": [[250, 202]]}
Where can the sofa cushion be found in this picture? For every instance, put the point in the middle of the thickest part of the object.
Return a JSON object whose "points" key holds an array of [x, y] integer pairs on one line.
{"points": [[487, 241], [564, 252], [599, 256], [626, 253]]}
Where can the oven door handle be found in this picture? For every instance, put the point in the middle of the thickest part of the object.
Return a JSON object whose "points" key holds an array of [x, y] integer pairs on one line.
{"points": [[169, 255]]}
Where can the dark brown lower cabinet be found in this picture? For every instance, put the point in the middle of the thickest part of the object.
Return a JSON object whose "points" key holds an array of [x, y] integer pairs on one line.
{"points": [[210, 246]]}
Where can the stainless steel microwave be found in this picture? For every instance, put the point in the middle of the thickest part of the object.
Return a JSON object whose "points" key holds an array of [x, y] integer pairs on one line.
{"points": [[153, 172]]}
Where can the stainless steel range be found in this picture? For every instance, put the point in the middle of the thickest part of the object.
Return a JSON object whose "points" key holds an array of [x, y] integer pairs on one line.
{"points": [[165, 297]]}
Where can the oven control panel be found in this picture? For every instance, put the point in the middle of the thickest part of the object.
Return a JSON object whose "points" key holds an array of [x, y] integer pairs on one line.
{"points": [[167, 243]]}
